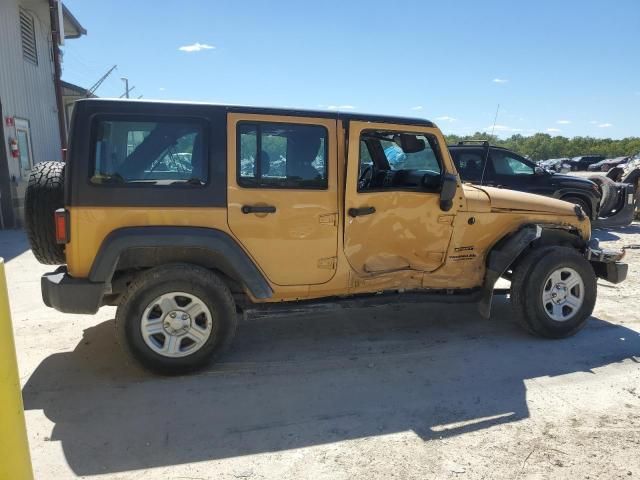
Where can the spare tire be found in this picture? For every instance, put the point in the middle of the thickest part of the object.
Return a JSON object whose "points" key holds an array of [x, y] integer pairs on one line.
{"points": [[608, 191], [44, 195]]}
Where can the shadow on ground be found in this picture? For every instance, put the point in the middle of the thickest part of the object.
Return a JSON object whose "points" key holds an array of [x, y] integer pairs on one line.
{"points": [[12, 244], [612, 233], [302, 380]]}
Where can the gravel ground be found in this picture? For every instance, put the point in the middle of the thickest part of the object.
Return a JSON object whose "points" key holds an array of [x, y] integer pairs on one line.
{"points": [[429, 391]]}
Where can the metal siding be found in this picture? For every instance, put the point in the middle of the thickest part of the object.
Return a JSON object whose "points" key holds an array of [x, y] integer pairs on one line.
{"points": [[27, 90]]}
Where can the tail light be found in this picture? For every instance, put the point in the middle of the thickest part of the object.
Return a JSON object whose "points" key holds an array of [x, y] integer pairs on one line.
{"points": [[61, 219]]}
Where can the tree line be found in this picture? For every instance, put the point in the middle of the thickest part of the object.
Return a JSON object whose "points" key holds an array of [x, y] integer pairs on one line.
{"points": [[542, 146]]}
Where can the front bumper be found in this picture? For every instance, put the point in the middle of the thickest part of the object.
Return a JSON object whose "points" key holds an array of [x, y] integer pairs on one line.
{"points": [[71, 295], [606, 263]]}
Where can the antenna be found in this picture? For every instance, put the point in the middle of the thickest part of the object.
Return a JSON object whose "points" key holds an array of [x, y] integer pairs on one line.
{"points": [[486, 156]]}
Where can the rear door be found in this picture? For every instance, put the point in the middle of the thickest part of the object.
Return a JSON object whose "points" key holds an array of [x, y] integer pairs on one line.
{"points": [[282, 195]]}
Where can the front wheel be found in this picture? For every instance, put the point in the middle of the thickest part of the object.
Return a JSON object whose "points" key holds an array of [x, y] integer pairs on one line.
{"points": [[553, 291], [176, 318]]}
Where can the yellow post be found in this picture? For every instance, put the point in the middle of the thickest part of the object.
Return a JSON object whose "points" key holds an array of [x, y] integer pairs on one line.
{"points": [[15, 463]]}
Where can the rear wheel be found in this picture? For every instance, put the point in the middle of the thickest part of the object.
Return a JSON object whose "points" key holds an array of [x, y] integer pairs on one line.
{"points": [[176, 319], [553, 291]]}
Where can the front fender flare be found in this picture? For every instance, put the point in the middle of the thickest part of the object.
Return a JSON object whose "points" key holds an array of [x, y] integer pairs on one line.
{"points": [[499, 259]]}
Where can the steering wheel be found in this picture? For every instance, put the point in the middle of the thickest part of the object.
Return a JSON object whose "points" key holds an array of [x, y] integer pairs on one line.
{"points": [[365, 178]]}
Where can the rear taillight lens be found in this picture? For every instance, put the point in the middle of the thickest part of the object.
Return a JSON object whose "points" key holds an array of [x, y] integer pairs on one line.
{"points": [[61, 218]]}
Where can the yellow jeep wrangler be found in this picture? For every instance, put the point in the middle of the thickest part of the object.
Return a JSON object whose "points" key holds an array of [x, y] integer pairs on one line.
{"points": [[184, 215]]}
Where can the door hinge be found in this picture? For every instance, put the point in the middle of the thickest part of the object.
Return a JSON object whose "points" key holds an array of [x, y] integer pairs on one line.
{"points": [[329, 219], [328, 263]]}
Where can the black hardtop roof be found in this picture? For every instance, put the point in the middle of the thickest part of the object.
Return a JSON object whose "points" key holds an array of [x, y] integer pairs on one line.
{"points": [[477, 145], [338, 115]]}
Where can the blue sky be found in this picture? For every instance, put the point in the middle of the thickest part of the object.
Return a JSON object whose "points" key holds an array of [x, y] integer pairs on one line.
{"points": [[563, 67]]}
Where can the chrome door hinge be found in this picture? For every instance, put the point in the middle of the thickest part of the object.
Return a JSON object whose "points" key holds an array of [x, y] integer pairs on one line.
{"points": [[328, 263]]}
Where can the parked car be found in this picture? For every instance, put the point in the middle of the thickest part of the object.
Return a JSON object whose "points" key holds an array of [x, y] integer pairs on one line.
{"points": [[629, 173], [582, 162], [506, 169], [184, 250], [559, 165], [607, 164]]}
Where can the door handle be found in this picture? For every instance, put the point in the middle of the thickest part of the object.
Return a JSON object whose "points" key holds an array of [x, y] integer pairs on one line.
{"points": [[258, 209], [358, 212]]}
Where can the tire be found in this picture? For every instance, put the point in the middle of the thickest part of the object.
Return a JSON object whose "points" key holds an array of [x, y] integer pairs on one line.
{"points": [[609, 193], [44, 195], [533, 277], [586, 208], [633, 177], [615, 174], [181, 288]]}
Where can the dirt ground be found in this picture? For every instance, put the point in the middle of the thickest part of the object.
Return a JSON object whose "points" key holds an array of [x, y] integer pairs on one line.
{"points": [[407, 392]]}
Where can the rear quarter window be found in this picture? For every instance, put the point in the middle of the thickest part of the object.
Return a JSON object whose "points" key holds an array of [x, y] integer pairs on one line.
{"points": [[151, 151]]}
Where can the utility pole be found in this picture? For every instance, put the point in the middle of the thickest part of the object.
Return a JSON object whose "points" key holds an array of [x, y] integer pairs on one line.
{"points": [[57, 68], [126, 87]]}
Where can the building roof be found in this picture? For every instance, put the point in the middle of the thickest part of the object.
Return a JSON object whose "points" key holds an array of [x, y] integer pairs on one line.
{"points": [[72, 27], [71, 90]]}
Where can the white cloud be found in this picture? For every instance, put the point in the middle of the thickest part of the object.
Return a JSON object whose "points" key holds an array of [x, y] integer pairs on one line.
{"points": [[417, 107], [563, 122], [196, 47], [553, 130], [593, 122], [162, 89], [605, 125], [446, 118], [500, 80], [340, 107]]}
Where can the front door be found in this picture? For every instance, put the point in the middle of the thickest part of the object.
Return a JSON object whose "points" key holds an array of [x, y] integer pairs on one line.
{"points": [[394, 221], [282, 196]]}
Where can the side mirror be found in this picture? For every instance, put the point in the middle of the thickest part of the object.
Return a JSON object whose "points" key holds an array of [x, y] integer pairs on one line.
{"points": [[448, 191], [539, 171]]}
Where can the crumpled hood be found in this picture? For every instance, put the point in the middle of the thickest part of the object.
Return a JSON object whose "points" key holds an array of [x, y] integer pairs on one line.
{"points": [[483, 199]]}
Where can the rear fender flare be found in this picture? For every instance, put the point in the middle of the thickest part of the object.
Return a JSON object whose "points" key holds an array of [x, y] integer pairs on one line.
{"points": [[221, 250]]}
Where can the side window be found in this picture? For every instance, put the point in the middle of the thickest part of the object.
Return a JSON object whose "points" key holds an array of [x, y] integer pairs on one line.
{"points": [[505, 164], [365, 158], [398, 161], [469, 164], [424, 159], [275, 155], [162, 152]]}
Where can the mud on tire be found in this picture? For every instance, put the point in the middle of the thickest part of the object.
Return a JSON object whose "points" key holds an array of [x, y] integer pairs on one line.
{"points": [[44, 195], [532, 279]]}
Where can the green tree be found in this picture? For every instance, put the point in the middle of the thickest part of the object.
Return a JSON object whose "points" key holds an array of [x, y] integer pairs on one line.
{"points": [[542, 146]]}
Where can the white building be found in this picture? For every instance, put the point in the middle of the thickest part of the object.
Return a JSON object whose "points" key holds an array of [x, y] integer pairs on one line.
{"points": [[30, 127]]}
